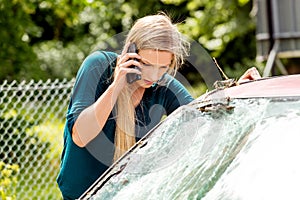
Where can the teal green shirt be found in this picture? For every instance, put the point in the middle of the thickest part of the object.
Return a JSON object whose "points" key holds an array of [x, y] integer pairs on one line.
{"points": [[80, 167]]}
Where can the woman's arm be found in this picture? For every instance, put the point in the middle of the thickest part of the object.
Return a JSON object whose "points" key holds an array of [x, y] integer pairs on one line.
{"points": [[92, 119]]}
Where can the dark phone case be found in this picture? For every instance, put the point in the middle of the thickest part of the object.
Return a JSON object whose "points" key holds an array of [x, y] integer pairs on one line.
{"points": [[132, 77]]}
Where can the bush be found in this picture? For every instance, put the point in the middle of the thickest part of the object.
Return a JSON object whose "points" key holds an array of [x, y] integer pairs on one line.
{"points": [[8, 180]]}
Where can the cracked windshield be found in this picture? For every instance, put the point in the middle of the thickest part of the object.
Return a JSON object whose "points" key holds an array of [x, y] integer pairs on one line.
{"points": [[203, 155]]}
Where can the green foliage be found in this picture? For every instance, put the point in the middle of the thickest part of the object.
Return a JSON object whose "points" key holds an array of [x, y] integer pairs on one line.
{"points": [[8, 181], [17, 144], [43, 174], [34, 145], [49, 38], [225, 28], [16, 55]]}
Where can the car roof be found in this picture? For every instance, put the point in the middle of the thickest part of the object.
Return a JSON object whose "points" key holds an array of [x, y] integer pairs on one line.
{"points": [[277, 86]]}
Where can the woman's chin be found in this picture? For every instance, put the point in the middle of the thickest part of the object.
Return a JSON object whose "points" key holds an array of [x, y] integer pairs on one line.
{"points": [[145, 83]]}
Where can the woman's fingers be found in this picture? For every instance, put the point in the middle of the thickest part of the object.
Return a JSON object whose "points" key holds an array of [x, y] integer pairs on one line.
{"points": [[126, 70], [129, 63], [250, 74], [127, 57], [124, 63]]}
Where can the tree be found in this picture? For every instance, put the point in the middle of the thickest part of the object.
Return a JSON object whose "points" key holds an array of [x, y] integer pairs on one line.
{"points": [[226, 28], [16, 53], [49, 38]]}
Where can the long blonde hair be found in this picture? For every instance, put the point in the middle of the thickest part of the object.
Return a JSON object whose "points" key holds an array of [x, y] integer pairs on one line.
{"points": [[150, 32]]}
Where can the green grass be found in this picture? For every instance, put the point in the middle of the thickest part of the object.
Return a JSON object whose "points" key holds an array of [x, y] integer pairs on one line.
{"points": [[39, 181]]}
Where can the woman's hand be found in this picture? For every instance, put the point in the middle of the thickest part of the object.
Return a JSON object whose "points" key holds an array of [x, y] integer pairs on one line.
{"points": [[124, 61], [250, 74]]}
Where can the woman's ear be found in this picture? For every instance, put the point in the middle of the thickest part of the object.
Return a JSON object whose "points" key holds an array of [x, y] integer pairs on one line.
{"points": [[172, 69]]}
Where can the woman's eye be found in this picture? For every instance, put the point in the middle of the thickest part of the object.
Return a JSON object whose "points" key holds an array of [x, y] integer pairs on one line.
{"points": [[147, 65], [164, 67]]}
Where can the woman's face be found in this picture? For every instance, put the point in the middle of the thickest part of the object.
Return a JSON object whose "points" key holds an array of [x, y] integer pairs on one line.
{"points": [[155, 64]]}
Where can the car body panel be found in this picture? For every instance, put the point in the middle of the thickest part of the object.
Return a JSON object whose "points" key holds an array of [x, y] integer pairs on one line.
{"points": [[267, 87]]}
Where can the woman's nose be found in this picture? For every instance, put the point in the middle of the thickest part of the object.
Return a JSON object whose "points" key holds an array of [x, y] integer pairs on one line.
{"points": [[154, 74]]}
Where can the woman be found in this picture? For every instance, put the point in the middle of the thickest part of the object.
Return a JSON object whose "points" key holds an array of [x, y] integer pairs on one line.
{"points": [[107, 115]]}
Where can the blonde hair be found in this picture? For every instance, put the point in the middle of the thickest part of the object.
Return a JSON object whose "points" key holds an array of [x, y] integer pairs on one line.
{"points": [[150, 32]]}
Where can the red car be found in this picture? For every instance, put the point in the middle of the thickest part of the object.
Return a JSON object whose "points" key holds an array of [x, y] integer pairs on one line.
{"points": [[241, 142]]}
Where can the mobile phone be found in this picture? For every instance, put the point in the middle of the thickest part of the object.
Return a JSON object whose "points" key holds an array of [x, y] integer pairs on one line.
{"points": [[132, 77]]}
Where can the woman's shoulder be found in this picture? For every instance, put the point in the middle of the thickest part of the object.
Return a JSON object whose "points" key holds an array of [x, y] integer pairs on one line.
{"points": [[97, 58], [171, 82], [173, 86], [98, 62]]}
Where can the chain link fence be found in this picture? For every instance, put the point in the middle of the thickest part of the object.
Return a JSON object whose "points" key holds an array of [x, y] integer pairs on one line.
{"points": [[32, 116]]}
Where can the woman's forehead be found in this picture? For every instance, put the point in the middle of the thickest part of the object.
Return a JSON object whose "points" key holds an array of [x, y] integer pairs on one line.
{"points": [[156, 57]]}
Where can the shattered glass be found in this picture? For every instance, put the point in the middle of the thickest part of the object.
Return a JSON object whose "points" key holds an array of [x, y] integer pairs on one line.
{"points": [[216, 150]]}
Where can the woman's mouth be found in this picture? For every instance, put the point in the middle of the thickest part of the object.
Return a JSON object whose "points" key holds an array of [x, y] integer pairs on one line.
{"points": [[148, 82]]}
